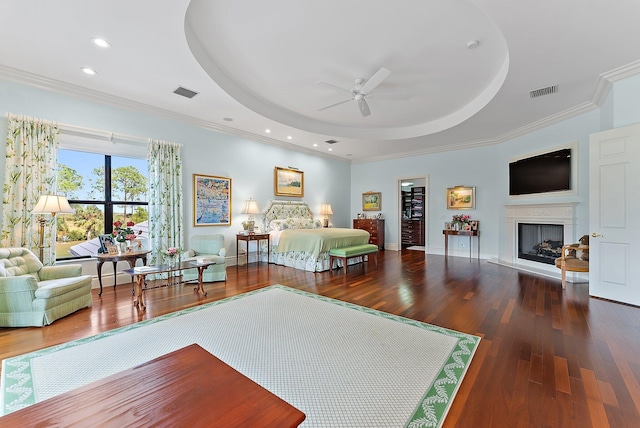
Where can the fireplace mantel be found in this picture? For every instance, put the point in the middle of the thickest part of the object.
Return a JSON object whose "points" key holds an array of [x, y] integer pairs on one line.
{"points": [[560, 213]]}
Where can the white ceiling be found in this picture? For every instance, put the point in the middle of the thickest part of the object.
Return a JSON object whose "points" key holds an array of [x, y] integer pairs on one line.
{"points": [[258, 63]]}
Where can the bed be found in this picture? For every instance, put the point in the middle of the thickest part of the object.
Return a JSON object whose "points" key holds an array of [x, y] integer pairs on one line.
{"points": [[299, 241]]}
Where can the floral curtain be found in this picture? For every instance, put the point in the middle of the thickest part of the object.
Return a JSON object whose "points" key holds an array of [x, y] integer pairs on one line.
{"points": [[165, 198], [30, 171]]}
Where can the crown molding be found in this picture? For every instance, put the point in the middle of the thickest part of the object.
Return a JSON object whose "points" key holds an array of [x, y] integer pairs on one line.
{"points": [[34, 80], [603, 86]]}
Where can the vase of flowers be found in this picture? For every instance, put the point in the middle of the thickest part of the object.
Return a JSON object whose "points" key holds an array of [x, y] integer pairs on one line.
{"points": [[172, 255], [124, 234], [460, 220]]}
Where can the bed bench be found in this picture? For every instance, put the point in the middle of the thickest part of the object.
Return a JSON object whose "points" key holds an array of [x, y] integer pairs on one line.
{"points": [[347, 253]]}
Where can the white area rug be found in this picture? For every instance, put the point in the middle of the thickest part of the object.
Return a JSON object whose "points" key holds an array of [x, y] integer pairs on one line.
{"points": [[343, 365]]}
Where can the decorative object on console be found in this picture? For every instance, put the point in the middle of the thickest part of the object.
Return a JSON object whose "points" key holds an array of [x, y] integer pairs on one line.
{"points": [[371, 201], [288, 182], [326, 211], [50, 204], [250, 207], [211, 200], [461, 198]]}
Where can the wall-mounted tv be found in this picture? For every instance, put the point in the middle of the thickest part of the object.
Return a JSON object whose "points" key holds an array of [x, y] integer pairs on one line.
{"points": [[548, 172]]}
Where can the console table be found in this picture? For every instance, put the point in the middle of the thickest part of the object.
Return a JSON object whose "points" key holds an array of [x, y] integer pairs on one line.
{"points": [[469, 233], [130, 258], [185, 388]]}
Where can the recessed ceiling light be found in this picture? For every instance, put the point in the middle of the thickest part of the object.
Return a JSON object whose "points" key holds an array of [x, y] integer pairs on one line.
{"points": [[101, 42], [228, 119], [268, 131], [88, 70], [330, 149], [315, 144], [289, 137]]}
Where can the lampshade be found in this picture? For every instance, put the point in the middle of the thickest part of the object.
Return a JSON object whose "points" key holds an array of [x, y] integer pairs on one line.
{"points": [[250, 207], [52, 204], [325, 209]]}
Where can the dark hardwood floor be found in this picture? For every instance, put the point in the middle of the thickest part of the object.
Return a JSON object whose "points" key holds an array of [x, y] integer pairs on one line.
{"points": [[548, 357]]}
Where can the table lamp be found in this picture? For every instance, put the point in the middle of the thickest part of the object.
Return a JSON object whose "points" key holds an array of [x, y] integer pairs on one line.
{"points": [[50, 204], [325, 210], [250, 207]]}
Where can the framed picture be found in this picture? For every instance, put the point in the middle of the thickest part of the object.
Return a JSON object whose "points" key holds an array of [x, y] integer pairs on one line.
{"points": [[461, 198], [372, 201], [105, 242], [112, 249], [211, 200], [474, 224], [448, 226], [288, 182]]}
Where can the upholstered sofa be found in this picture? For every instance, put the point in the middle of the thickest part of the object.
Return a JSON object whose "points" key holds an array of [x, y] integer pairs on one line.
{"points": [[208, 247], [35, 295]]}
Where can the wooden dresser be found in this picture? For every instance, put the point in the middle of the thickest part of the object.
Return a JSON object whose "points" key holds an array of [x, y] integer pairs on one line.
{"points": [[412, 232], [375, 227]]}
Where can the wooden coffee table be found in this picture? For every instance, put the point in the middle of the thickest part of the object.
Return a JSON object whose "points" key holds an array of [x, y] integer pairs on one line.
{"points": [[185, 388], [139, 274]]}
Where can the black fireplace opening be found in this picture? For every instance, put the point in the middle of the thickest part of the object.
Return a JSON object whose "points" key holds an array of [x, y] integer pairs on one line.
{"points": [[540, 242]]}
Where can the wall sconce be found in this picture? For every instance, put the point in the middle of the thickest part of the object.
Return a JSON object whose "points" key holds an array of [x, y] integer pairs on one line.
{"points": [[50, 204], [325, 210], [250, 207]]}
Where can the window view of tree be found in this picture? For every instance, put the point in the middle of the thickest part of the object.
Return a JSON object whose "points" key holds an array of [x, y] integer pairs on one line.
{"points": [[101, 189]]}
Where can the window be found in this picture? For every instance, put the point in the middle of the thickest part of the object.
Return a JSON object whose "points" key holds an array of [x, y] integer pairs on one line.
{"points": [[102, 189]]}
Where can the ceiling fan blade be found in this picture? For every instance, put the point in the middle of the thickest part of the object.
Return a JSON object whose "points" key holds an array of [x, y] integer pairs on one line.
{"points": [[336, 104], [389, 96], [364, 107], [375, 80], [329, 85]]}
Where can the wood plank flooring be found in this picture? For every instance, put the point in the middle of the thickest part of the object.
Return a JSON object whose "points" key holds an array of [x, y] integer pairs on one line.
{"points": [[549, 357]]}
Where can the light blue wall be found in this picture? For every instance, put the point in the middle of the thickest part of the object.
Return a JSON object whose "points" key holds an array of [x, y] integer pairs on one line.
{"points": [[486, 168], [249, 164]]}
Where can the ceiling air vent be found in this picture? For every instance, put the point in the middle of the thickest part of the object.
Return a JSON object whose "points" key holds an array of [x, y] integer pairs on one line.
{"points": [[185, 92], [331, 141], [543, 91]]}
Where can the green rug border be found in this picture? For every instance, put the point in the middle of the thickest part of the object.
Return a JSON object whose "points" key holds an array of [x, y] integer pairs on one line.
{"points": [[17, 386]]}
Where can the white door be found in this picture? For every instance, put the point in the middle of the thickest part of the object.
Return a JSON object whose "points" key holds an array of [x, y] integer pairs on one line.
{"points": [[614, 214]]}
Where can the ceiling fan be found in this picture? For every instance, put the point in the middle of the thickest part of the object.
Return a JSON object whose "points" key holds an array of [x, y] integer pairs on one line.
{"points": [[362, 90]]}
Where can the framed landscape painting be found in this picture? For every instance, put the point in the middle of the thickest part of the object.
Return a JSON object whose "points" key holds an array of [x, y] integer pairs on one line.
{"points": [[372, 201], [211, 200], [288, 182], [461, 198]]}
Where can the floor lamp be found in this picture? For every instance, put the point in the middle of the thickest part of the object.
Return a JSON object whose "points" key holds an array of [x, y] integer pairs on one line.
{"points": [[50, 204]]}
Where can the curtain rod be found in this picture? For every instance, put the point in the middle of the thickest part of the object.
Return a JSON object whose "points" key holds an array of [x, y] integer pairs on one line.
{"points": [[82, 131]]}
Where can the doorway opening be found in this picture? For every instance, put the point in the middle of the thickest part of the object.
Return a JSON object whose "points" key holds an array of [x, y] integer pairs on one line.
{"points": [[413, 213]]}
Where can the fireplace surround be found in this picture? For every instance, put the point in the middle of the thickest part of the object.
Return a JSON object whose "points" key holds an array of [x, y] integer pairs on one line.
{"points": [[562, 214]]}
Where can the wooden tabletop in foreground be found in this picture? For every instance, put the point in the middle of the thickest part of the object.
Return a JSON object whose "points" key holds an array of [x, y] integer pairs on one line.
{"points": [[185, 388]]}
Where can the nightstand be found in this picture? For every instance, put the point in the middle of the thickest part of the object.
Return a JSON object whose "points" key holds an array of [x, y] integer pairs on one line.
{"points": [[247, 239]]}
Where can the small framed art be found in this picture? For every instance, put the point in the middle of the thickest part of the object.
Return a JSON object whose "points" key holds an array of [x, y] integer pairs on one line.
{"points": [[288, 182], [211, 200], [372, 201], [106, 241], [461, 198]]}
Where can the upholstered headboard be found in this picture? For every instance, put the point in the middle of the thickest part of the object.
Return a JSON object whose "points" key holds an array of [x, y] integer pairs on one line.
{"points": [[285, 210]]}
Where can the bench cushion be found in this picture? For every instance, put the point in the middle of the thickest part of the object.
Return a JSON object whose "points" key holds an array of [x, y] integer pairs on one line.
{"points": [[355, 250]]}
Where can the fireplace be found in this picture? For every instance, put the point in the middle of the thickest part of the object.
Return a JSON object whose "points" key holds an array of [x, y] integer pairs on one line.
{"points": [[540, 242], [557, 215]]}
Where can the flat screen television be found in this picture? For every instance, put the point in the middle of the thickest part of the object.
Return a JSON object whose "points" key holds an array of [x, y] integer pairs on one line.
{"points": [[548, 172]]}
